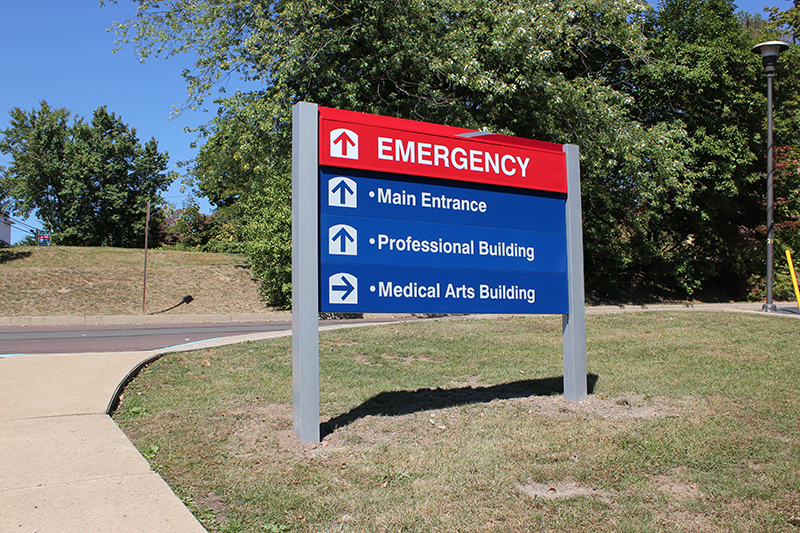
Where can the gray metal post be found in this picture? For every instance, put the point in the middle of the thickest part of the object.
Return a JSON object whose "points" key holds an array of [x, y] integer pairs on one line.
{"points": [[305, 271], [574, 324], [769, 52]]}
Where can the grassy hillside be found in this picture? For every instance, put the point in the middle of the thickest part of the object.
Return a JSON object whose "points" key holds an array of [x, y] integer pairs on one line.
{"points": [[63, 281]]}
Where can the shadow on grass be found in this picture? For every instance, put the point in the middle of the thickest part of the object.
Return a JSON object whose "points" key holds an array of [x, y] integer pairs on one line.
{"points": [[6, 256], [396, 403], [186, 301]]}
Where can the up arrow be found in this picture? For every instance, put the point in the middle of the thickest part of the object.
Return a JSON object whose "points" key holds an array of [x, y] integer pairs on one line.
{"points": [[344, 143], [345, 139], [343, 189], [343, 236], [342, 192]]}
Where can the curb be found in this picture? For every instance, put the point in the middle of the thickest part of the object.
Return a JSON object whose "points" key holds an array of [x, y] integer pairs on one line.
{"points": [[789, 309], [116, 320]]}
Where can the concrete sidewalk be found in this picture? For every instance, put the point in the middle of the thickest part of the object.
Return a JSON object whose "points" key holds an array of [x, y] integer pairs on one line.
{"points": [[66, 465]]}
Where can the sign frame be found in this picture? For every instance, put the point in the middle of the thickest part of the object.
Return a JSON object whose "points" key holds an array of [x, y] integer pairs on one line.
{"points": [[306, 156]]}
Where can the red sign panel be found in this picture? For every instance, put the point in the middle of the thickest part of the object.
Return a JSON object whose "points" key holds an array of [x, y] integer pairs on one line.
{"points": [[384, 144]]}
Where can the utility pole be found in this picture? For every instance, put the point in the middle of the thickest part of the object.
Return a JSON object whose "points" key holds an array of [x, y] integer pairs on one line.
{"points": [[146, 232]]}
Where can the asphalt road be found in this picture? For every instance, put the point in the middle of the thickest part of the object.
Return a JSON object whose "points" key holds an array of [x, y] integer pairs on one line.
{"points": [[80, 339], [16, 340]]}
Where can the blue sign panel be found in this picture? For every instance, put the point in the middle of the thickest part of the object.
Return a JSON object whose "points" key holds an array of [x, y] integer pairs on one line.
{"points": [[373, 195], [351, 288], [376, 241], [393, 243]]}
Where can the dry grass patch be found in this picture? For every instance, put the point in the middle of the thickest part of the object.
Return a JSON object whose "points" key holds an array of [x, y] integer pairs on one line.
{"points": [[70, 281]]}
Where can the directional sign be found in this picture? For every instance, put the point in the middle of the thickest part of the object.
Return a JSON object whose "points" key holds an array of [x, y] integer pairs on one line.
{"points": [[422, 290], [457, 231], [410, 243], [390, 196], [428, 218], [406, 203]]}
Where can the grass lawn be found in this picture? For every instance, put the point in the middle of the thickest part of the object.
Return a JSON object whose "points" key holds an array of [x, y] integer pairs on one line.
{"points": [[693, 425]]}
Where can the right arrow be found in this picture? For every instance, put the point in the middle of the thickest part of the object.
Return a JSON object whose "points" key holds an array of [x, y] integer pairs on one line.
{"points": [[347, 288]]}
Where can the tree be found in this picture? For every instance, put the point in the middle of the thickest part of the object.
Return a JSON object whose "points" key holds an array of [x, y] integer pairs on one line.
{"points": [[702, 80], [88, 183], [5, 199], [188, 229], [663, 105], [523, 68], [786, 23], [244, 169]]}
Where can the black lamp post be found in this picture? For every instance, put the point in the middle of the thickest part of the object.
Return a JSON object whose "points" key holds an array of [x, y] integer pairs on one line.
{"points": [[769, 57]]}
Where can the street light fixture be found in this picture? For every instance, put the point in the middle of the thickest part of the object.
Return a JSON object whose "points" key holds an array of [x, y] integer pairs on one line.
{"points": [[769, 57]]}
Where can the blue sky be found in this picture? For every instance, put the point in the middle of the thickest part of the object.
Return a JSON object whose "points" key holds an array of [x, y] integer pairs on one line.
{"points": [[60, 51]]}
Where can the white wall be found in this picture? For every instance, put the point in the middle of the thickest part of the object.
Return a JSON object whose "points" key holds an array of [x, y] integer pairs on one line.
{"points": [[5, 230]]}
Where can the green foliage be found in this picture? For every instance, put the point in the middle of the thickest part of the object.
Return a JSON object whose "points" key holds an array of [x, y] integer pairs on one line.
{"points": [[244, 169], [188, 229], [786, 220], [185, 228], [29, 240], [787, 196], [5, 199], [226, 232], [786, 23], [89, 183], [701, 80], [269, 242], [666, 106]]}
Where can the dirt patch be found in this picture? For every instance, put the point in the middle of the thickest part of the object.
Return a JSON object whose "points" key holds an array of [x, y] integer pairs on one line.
{"points": [[408, 359], [362, 359], [212, 502], [403, 359], [267, 429], [679, 496], [672, 486], [631, 407], [257, 427], [561, 490], [685, 521]]}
